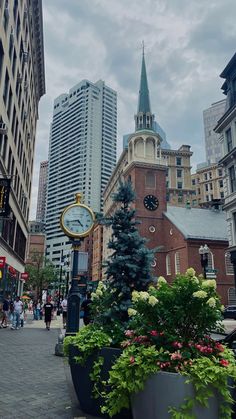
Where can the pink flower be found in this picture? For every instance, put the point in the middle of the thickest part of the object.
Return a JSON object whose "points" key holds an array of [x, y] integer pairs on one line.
{"points": [[129, 333], [176, 355], [132, 360], [177, 344], [154, 333], [219, 347], [224, 362]]}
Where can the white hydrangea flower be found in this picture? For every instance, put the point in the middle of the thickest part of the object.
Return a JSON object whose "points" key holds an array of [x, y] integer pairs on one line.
{"points": [[211, 283], [190, 272], [144, 295], [93, 296], [99, 293], [222, 307], [131, 312], [135, 296], [211, 302], [151, 288], [200, 294], [161, 280], [152, 300]]}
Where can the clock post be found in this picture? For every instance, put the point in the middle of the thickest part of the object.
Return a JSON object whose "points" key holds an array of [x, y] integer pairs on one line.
{"points": [[77, 221]]}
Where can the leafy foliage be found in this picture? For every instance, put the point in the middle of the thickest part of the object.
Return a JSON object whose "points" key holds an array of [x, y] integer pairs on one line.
{"points": [[87, 340], [169, 332], [41, 273]]}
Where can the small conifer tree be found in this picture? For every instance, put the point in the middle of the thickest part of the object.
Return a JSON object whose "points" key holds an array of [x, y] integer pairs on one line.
{"points": [[129, 266]]}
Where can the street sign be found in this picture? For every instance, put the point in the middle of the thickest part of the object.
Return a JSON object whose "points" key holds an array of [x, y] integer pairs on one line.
{"points": [[210, 275], [24, 275], [210, 270], [2, 261]]}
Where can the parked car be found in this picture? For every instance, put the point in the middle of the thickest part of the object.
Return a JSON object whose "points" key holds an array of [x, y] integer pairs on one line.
{"points": [[230, 312]]}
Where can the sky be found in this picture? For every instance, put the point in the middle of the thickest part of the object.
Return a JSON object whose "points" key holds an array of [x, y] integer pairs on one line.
{"points": [[187, 45]]}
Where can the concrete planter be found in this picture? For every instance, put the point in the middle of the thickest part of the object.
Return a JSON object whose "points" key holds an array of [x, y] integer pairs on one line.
{"points": [[84, 385], [164, 390]]}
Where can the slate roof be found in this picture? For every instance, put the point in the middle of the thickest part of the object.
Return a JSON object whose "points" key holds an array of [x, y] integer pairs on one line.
{"points": [[196, 223]]}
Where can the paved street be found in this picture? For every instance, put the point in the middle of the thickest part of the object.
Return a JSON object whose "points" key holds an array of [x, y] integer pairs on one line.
{"points": [[34, 382]]}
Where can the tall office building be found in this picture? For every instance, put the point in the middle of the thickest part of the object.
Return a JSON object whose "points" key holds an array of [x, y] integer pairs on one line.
{"points": [[210, 118], [22, 83], [82, 153], [42, 192]]}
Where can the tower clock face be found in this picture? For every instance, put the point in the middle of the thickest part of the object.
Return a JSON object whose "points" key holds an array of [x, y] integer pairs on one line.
{"points": [[151, 202], [77, 220]]}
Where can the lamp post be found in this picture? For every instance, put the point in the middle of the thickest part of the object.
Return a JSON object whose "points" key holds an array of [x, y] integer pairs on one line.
{"points": [[203, 252], [60, 279], [73, 307]]}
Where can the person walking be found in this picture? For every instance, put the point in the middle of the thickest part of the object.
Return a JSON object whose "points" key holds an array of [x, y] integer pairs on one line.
{"points": [[86, 309], [64, 311], [48, 311], [5, 309], [18, 309]]}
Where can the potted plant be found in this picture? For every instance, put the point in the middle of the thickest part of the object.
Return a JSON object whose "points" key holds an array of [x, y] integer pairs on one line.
{"points": [[96, 347], [170, 366]]}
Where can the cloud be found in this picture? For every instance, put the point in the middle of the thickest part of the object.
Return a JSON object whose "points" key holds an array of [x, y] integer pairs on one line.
{"points": [[187, 47]]}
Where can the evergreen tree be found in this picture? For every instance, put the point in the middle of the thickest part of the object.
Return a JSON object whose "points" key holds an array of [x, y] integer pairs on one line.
{"points": [[129, 266]]}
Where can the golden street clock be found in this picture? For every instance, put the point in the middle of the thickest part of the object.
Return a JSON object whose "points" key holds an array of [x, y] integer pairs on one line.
{"points": [[151, 202], [77, 220]]}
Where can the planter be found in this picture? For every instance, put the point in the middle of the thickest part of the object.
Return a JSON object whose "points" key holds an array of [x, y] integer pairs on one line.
{"points": [[84, 385], [164, 390]]}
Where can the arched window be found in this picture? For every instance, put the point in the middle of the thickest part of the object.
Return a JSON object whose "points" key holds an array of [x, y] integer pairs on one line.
{"points": [[229, 267], [177, 263], [210, 262], [168, 265]]}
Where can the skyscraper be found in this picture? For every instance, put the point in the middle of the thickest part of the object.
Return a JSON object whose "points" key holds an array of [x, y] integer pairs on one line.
{"points": [[22, 83], [82, 153], [42, 192], [210, 118]]}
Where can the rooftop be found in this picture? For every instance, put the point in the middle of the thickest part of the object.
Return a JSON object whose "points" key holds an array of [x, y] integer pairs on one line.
{"points": [[197, 223]]}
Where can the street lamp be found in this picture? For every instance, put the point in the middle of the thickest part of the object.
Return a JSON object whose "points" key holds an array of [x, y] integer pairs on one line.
{"points": [[203, 252]]}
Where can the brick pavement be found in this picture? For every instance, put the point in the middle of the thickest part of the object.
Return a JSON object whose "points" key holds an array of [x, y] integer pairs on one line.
{"points": [[34, 382]]}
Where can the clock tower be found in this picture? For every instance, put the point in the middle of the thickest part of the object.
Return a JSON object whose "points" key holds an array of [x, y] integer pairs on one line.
{"points": [[147, 172]]}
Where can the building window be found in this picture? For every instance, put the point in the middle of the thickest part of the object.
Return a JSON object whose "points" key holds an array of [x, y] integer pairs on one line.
{"points": [[222, 195], [232, 179], [150, 180], [167, 171], [205, 176], [211, 186], [210, 175], [179, 173], [1, 58], [221, 183], [207, 198], [178, 161], [229, 267], [179, 185], [168, 265], [210, 262], [193, 182], [167, 184], [229, 142], [177, 263], [220, 172], [206, 187]]}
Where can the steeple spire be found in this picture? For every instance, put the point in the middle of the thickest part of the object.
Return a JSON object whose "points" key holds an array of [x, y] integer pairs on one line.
{"points": [[144, 118]]}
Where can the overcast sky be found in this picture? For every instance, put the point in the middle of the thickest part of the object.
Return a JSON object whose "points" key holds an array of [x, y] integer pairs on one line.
{"points": [[188, 44]]}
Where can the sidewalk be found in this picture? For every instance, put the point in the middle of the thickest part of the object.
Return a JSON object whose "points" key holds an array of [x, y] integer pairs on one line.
{"points": [[34, 382]]}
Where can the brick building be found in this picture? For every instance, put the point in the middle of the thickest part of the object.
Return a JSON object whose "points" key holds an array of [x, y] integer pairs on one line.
{"points": [[176, 231]]}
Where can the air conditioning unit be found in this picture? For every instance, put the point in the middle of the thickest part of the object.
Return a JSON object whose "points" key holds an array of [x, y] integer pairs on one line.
{"points": [[3, 128]]}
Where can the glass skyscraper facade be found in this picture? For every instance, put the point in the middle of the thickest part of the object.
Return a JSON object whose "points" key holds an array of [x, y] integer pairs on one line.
{"points": [[82, 153]]}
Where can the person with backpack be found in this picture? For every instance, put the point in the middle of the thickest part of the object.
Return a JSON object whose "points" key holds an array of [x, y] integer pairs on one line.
{"points": [[5, 309]]}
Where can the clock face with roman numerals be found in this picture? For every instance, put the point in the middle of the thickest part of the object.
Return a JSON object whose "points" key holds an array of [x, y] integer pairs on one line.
{"points": [[151, 202], [77, 220]]}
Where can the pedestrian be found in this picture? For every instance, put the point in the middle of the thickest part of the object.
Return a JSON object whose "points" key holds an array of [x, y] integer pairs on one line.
{"points": [[18, 309], [85, 306], [5, 309], [48, 312], [64, 311]]}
